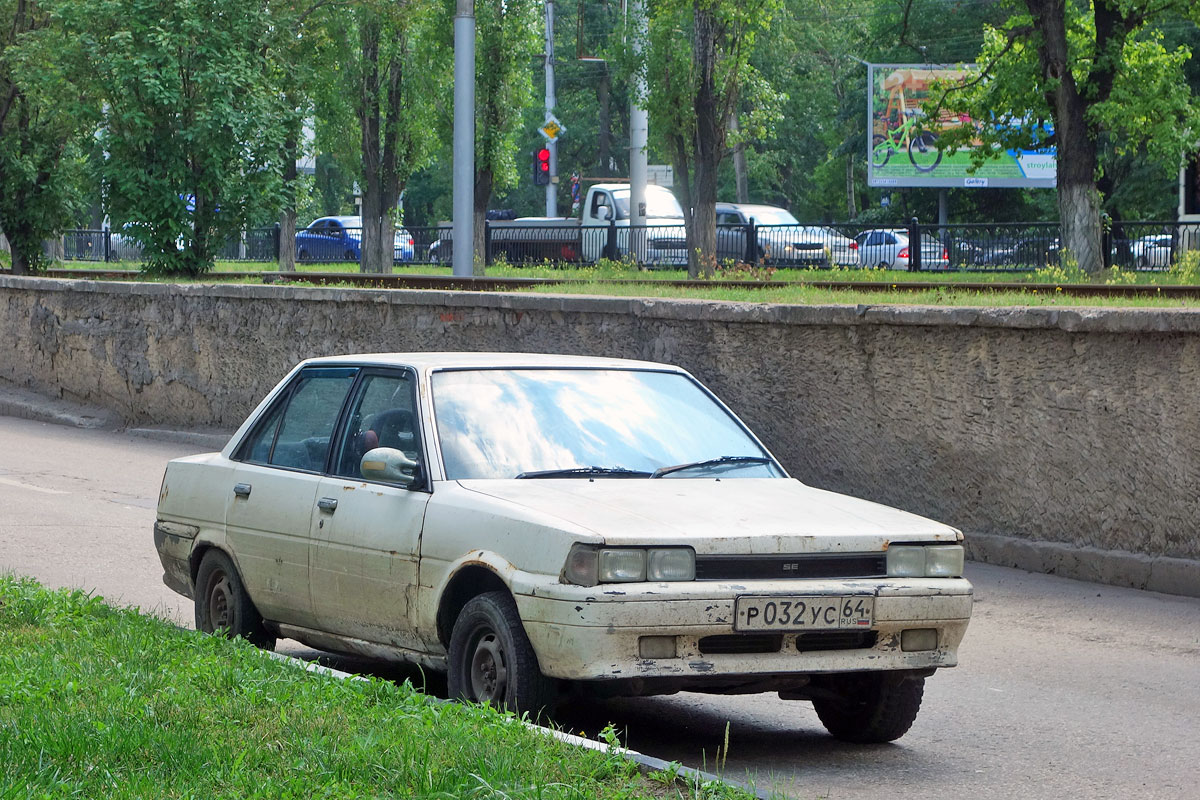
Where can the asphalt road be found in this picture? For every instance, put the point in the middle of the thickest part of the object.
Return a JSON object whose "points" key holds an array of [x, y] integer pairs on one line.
{"points": [[1064, 690]]}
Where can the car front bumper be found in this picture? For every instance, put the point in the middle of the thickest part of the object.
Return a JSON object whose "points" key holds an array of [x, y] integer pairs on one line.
{"points": [[594, 634]]}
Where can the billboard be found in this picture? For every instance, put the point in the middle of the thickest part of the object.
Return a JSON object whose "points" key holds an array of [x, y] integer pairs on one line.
{"points": [[903, 150]]}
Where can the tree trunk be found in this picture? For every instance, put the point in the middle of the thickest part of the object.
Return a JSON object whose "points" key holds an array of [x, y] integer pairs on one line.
{"points": [[484, 181], [851, 204], [370, 125], [741, 176], [287, 218], [1078, 197], [711, 121], [604, 138]]}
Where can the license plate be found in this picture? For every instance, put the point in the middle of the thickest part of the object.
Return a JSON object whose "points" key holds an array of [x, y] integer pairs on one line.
{"points": [[803, 613]]}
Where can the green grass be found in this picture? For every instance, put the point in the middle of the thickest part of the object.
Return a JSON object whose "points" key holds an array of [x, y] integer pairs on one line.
{"points": [[101, 702], [622, 280]]}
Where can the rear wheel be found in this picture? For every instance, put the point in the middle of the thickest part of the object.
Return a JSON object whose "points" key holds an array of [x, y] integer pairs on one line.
{"points": [[923, 152], [492, 661], [869, 707], [222, 604]]}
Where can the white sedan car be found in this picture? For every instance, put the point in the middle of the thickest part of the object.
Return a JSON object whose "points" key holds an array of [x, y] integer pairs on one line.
{"points": [[530, 523], [1152, 251], [890, 249]]}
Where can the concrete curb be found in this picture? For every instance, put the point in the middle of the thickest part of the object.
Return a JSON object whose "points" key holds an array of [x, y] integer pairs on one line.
{"points": [[646, 764], [1179, 576], [22, 403]]}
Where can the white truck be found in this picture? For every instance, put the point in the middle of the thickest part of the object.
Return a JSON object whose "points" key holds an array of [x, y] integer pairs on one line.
{"points": [[603, 231]]}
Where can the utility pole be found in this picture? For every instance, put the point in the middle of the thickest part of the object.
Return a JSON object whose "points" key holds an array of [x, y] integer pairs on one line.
{"points": [[463, 258], [638, 136], [551, 145]]}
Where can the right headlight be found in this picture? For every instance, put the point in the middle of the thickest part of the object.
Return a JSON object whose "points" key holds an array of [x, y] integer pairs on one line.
{"points": [[925, 561]]}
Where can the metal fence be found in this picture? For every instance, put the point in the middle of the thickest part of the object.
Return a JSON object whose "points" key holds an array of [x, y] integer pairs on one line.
{"points": [[965, 247]]}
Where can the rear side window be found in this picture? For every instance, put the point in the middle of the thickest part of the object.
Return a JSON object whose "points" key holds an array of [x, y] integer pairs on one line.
{"points": [[296, 433]]}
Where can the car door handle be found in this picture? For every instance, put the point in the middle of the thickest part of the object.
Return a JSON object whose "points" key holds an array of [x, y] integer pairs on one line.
{"points": [[241, 489], [327, 504]]}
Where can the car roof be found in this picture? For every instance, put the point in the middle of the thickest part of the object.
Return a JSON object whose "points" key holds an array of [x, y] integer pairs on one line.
{"points": [[348, 221], [748, 207], [448, 360]]}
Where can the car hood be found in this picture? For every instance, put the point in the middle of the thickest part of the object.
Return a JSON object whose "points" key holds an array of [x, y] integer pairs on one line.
{"points": [[729, 516]]}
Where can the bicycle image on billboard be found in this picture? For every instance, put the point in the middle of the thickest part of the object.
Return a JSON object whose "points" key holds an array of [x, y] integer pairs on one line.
{"points": [[904, 147]]}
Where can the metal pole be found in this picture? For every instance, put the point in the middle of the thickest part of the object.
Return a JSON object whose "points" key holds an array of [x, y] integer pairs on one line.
{"points": [[552, 145], [463, 257], [638, 135]]}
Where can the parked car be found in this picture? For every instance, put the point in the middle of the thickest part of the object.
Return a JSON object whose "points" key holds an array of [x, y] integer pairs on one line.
{"points": [[533, 523], [889, 249], [781, 239], [1152, 251], [340, 239]]}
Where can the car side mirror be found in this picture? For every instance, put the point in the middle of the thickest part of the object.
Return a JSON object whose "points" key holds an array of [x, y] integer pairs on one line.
{"points": [[603, 212], [390, 465]]}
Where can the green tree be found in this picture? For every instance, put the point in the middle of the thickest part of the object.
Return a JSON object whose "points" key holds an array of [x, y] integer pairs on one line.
{"points": [[192, 128], [695, 83], [42, 116], [506, 41], [1101, 74], [401, 75]]}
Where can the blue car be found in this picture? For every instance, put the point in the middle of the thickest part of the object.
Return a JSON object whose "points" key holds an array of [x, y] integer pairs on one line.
{"points": [[340, 239]]}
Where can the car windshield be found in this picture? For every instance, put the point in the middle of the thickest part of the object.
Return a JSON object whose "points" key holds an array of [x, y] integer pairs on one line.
{"points": [[659, 203], [771, 216], [600, 423]]}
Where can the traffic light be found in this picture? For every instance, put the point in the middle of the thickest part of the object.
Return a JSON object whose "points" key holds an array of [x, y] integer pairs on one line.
{"points": [[541, 166]]}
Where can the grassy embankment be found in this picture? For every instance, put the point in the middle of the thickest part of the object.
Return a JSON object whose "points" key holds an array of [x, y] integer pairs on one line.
{"points": [[615, 279], [102, 702]]}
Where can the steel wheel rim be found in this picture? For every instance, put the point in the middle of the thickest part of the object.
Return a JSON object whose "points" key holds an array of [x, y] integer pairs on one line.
{"points": [[219, 605], [488, 673]]}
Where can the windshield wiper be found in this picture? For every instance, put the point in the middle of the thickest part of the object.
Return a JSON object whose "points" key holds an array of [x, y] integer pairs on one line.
{"points": [[711, 462], [584, 472]]}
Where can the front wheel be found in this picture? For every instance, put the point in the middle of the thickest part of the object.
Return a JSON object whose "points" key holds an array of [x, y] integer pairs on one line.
{"points": [[869, 707], [881, 150], [222, 604], [491, 659]]}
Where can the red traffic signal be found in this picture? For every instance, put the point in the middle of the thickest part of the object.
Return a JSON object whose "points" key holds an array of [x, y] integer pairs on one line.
{"points": [[541, 166]]}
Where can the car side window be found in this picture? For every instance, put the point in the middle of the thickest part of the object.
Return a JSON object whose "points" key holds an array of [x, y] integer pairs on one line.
{"points": [[382, 414], [874, 239], [296, 434]]}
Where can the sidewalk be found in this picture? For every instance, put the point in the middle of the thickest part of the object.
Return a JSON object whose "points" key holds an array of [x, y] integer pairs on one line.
{"points": [[16, 401]]}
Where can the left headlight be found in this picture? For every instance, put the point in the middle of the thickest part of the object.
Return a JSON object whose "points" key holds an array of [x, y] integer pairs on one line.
{"points": [[925, 561], [588, 565]]}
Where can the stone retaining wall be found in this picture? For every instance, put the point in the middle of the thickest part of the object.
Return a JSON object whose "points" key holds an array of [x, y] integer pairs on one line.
{"points": [[1035, 428]]}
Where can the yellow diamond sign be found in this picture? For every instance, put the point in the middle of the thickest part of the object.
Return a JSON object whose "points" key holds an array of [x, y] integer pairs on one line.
{"points": [[552, 129]]}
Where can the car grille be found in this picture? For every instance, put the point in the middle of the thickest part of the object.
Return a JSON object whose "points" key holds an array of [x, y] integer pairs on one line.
{"points": [[741, 643], [852, 565], [758, 643], [835, 640], [669, 244]]}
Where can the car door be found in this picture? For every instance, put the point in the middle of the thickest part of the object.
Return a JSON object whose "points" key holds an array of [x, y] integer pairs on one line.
{"points": [[731, 236], [366, 533], [872, 249], [273, 491]]}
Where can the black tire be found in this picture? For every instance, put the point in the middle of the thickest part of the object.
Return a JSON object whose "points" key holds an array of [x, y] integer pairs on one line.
{"points": [[303, 255], [492, 661], [222, 603], [923, 152], [869, 707], [879, 156]]}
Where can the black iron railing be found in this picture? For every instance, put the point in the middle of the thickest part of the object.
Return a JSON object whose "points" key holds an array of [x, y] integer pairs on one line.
{"points": [[961, 247]]}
